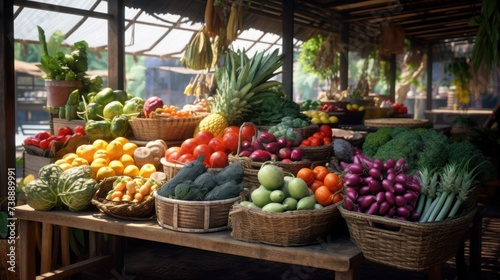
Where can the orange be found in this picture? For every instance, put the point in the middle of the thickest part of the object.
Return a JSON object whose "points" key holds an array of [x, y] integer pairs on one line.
{"points": [[100, 144], [129, 148], [131, 170], [117, 166], [127, 160], [79, 161], [122, 140], [104, 172], [114, 149], [146, 170], [86, 151], [97, 164], [102, 154], [69, 157]]}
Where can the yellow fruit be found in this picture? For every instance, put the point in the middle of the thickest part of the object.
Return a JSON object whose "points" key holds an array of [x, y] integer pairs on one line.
{"points": [[65, 166], [86, 151], [324, 119], [97, 164], [355, 106], [333, 119], [104, 172], [122, 140], [131, 170], [129, 148], [28, 179], [147, 169], [79, 161], [214, 122], [100, 144], [361, 108], [61, 161], [127, 160], [316, 120], [69, 157], [102, 154], [117, 166], [114, 149]]}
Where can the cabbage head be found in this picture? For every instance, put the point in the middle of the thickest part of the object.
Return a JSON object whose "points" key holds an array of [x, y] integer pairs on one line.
{"points": [[76, 188], [40, 195]]}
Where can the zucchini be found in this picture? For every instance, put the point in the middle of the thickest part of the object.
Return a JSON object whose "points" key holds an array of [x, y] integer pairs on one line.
{"points": [[225, 191], [233, 171], [189, 171]]}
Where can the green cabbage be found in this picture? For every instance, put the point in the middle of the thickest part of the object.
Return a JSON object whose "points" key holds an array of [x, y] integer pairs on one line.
{"points": [[40, 195], [76, 188]]}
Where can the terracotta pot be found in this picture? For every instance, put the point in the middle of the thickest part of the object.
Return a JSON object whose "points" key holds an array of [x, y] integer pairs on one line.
{"points": [[58, 91]]}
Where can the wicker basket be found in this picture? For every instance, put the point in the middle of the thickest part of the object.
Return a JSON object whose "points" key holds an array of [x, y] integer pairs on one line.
{"points": [[290, 228], [171, 168], [193, 216], [317, 153], [407, 245], [122, 209], [165, 127]]}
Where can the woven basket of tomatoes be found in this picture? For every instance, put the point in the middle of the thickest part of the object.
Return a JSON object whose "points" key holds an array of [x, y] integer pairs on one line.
{"points": [[126, 198]]}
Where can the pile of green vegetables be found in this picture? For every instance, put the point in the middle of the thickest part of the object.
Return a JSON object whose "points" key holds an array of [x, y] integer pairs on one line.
{"points": [[195, 183], [424, 148], [72, 188], [272, 109]]}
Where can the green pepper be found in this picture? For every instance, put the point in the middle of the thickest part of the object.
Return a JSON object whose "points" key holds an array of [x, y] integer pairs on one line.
{"points": [[70, 112], [81, 106], [104, 96], [93, 111], [73, 98], [98, 130], [120, 127], [62, 112]]}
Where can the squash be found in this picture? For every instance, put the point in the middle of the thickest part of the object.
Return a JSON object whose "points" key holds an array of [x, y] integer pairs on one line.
{"points": [[190, 171], [227, 190]]}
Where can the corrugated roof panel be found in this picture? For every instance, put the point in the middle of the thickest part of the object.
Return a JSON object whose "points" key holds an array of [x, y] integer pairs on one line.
{"points": [[173, 43]]}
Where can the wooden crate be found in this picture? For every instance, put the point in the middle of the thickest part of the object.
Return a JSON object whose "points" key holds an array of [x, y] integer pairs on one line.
{"points": [[32, 163], [56, 123]]}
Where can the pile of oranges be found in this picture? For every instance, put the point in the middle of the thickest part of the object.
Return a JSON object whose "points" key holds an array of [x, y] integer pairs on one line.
{"points": [[113, 158]]}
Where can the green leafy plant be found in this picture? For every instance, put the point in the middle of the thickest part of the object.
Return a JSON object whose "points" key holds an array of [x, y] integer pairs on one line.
{"points": [[60, 66], [487, 45]]}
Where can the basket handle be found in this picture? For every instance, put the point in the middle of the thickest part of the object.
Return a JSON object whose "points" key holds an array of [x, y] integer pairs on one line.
{"points": [[239, 134]]}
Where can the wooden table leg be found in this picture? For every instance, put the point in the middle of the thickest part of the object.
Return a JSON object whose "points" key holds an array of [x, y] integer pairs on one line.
{"points": [[46, 251], [434, 272], [475, 242], [27, 266], [65, 257]]}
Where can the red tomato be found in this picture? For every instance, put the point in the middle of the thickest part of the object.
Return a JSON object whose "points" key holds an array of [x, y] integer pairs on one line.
{"points": [[188, 145], [170, 150], [65, 130], [247, 132], [217, 144], [218, 160], [315, 141], [42, 135], [185, 158], [203, 137], [231, 142], [44, 143], [204, 150], [232, 129], [174, 156], [79, 129], [326, 129], [35, 141]]}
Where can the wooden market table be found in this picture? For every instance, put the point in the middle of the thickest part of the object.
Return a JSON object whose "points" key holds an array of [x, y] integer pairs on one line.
{"points": [[339, 255]]}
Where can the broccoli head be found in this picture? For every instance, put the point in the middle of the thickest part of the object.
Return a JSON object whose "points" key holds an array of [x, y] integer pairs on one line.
{"points": [[460, 151], [434, 153], [405, 144], [374, 140]]}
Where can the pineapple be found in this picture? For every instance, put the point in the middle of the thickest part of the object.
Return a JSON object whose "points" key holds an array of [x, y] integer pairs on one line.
{"points": [[241, 85]]}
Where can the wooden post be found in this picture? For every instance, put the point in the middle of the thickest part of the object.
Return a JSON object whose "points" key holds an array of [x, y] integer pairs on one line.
{"points": [[344, 57], [116, 45], [428, 101], [288, 9]]}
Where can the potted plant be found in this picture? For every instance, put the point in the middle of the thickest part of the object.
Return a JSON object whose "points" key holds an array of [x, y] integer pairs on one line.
{"points": [[63, 73]]}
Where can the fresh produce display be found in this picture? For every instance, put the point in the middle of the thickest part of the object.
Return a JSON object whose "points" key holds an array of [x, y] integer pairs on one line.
{"points": [[115, 158], [242, 85], [383, 188], [72, 188], [321, 117], [310, 105], [329, 108], [399, 109], [326, 185], [285, 129], [279, 192], [196, 183], [319, 138], [45, 140], [354, 107], [138, 189], [422, 148], [267, 147], [273, 109]]}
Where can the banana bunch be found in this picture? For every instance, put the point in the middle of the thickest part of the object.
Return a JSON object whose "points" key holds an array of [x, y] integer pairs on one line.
{"points": [[199, 54], [235, 20], [198, 86]]}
